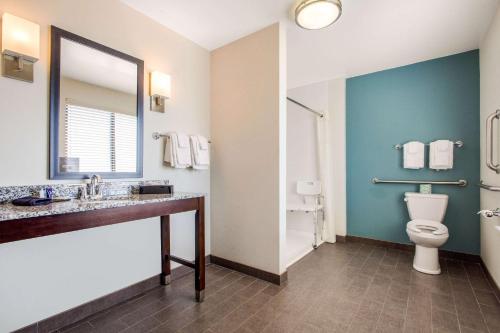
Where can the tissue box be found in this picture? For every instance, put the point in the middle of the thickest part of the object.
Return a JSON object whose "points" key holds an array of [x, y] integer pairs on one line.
{"points": [[426, 188]]}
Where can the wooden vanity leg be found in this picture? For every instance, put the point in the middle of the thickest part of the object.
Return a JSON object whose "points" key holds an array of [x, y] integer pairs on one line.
{"points": [[199, 271], [165, 250]]}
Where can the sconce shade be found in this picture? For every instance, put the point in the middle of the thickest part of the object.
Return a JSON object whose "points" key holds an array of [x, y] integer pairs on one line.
{"points": [[20, 38], [160, 84]]}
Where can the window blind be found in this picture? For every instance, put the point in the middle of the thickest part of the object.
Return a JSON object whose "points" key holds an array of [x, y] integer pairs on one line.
{"points": [[102, 141]]}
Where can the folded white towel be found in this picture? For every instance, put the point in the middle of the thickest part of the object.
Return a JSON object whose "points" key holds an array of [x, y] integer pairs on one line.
{"points": [[200, 152], [176, 154], [183, 140], [441, 155], [169, 152], [413, 155], [203, 142]]}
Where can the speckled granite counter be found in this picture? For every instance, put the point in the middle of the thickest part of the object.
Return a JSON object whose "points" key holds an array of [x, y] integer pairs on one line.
{"points": [[22, 223], [10, 212]]}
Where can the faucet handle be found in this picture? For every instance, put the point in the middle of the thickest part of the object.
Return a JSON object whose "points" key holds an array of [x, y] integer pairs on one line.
{"points": [[83, 193], [96, 178]]}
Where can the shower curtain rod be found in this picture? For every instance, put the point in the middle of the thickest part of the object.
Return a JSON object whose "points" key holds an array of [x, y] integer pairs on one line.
{"points": [[306, 107]]}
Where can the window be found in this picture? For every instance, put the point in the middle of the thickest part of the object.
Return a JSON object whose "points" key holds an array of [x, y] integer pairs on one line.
{"points": [[102, 141]]}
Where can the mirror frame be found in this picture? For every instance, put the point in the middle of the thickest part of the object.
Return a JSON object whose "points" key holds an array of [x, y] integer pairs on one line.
{"points": [[57, 35]]}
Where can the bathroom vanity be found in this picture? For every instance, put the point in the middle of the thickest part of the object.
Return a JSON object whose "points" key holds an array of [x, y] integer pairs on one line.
{"points": [[19, 223]]}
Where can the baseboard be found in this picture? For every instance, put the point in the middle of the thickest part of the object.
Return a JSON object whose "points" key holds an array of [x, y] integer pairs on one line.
{"points": [[252, 271], [88, 309], [340, 239], [494, 285], [410, 247]]}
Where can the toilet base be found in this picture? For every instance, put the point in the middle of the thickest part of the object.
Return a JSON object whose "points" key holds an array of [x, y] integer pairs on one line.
{"points": [[426, 260]]}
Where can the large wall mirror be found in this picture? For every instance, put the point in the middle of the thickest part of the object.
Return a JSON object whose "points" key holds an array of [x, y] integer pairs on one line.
{"points": [[96, 109]]}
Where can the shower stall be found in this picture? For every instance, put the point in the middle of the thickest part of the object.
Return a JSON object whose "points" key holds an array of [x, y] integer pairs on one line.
{"points": [[307, 195]]}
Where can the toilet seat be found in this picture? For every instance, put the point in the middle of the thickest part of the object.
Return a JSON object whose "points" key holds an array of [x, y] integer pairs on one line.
{"points": [[427, 227]]}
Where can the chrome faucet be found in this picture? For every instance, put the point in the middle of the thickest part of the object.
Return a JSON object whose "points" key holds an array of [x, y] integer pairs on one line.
{"points": [[93, 190], [95, 185]]}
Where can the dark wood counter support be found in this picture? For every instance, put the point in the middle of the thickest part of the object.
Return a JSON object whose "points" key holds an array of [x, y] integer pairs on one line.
{"points": [[165, 250], [199, 269], [33, 227]]}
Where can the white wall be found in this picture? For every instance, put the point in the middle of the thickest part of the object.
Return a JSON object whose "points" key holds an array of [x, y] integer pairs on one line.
{"points": [[337, 139], [247, 125], [490, 101], [302, 147], [44, 276]]}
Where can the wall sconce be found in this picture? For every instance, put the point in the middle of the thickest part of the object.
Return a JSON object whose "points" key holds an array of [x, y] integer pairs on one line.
{"points": [[160, 89], [20, 47]]}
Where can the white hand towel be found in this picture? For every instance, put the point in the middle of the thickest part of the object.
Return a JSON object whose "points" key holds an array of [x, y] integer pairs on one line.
{"points": [[169, 152], [203, 142], [175, 154], [200, 156], [183, 140], [182, 153], [441, 155], [413, 155]]}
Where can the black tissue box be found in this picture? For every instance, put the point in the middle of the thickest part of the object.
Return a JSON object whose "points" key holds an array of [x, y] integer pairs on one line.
{"points": [[156, 189]]}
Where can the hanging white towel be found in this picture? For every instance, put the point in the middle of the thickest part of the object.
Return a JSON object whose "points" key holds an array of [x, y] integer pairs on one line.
{"points": [[203, 142], [177, 152], [182, 140], [441, 155], [200, 152], [413, 155], [169, 152]]}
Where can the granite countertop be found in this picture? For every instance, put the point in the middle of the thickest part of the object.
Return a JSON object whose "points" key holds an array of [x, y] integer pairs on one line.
{"points": [[10, 212]]}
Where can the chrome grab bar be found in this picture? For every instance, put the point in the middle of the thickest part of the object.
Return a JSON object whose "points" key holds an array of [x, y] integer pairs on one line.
{"points": [[492, 188], [489, 141], [460, 182]]}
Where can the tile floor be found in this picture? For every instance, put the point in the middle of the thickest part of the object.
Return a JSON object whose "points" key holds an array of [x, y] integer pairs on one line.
{"points": [[345, 287]]}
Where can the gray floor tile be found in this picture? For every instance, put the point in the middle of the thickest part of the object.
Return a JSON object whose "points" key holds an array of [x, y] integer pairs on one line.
{"points": [[347, 287]]}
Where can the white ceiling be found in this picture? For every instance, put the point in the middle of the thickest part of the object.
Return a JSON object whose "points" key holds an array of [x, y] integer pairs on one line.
{"points": [[83, 63], [370, 35]]}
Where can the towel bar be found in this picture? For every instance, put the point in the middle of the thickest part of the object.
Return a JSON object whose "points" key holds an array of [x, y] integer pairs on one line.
{"points": [[157, 136], [460, 182], [458, 143]]}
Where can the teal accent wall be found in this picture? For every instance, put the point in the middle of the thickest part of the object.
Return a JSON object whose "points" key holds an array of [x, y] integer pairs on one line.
{"points": [[436, 99]]}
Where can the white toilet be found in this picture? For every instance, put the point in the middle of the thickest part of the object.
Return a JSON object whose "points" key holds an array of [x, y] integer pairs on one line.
{"points": [[426, 229]]}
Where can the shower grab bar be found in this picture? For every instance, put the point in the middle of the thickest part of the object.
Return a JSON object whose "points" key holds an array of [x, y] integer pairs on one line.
{"points": [[460, 182], [489, 187], [489, 141]]}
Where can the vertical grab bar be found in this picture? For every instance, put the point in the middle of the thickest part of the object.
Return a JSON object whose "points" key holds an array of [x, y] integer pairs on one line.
{"points": [[489, 141]]}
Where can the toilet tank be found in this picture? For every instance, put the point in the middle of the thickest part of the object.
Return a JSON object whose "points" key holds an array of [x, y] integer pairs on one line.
{"points": [[426, 206]]}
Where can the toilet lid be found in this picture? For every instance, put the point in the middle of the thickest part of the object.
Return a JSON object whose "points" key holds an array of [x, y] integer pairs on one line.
{"points": [[427, 226]]}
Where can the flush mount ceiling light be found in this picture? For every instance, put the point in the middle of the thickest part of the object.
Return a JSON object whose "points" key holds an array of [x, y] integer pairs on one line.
{"points": [[317, 14]]}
